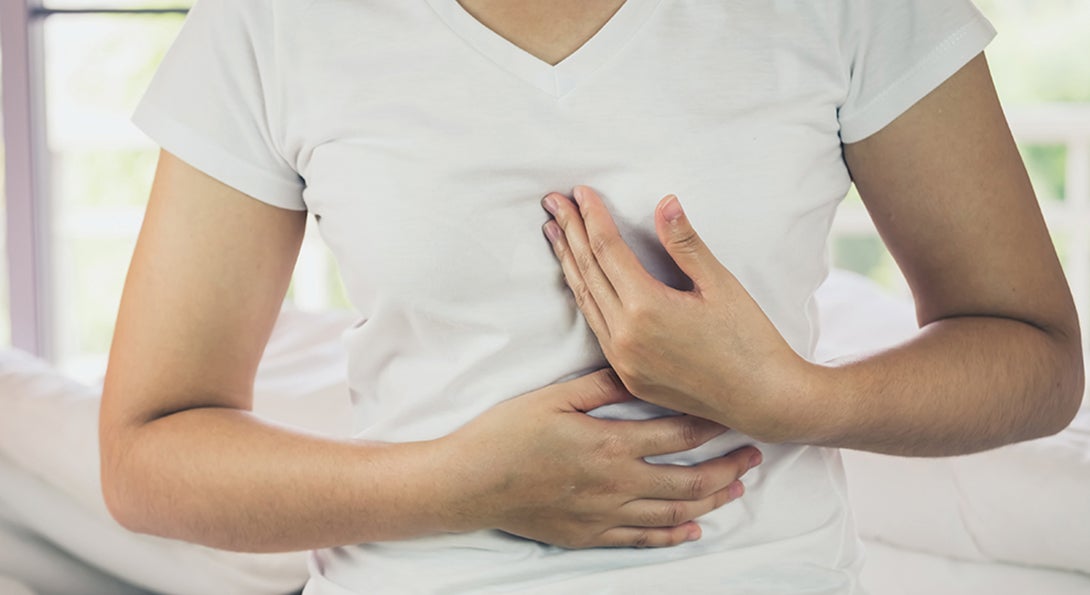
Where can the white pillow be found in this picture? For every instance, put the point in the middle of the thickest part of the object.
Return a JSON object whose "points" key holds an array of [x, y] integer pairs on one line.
{"points": [[894, 571], [1025, 503], [9, 586], [28, 556], [49, 427]]}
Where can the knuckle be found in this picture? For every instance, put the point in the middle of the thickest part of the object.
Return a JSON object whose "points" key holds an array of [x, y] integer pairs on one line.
{"points": [[585, 261], [691, 436], [642, 539], [637, 311], [582, 294], [601, 245], [624, 339], [674, 514], [686, 242], [697, 485], [666, 483], [610, 445]]}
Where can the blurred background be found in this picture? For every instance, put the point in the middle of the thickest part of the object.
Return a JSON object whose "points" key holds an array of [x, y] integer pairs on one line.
{"points": [[73, 70]]}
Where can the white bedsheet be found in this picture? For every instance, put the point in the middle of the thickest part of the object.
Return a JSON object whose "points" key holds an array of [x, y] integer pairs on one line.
{"points": [[896, 571], [27, 557], [10, 586], [1026, 503], [1023, 504], [50, 488]]}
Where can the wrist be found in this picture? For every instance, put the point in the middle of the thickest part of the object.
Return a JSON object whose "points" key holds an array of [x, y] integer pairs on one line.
{"points": [[466, 477], [428, 482], [802, 406], [820, 405]]}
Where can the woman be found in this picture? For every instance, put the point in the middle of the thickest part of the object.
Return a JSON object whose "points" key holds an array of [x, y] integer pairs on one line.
{"points": [[423, 136]]}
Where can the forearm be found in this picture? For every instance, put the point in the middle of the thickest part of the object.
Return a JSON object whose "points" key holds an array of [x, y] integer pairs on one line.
{"points": [[225, 478], [961, 385]]}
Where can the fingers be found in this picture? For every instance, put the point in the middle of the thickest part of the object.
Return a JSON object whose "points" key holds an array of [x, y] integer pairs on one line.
{"points": [[666, 435], [648, 537], [665, 523], [596, 389], [571, 245], [676, 482], [671, 513], [619, 263], [586, 296], [681, 241]]}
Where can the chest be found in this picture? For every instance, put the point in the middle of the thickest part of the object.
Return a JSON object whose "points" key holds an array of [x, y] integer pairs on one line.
{"points": [[432, 140], [549, 31]]}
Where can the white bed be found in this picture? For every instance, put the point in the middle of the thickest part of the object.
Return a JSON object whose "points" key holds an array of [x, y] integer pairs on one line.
{"points": [[1012, 521]]}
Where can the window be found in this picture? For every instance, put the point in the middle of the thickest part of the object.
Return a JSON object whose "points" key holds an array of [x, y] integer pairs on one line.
{"points": [[5, 315], [1045, 90], [95, 57], [100, 166]]}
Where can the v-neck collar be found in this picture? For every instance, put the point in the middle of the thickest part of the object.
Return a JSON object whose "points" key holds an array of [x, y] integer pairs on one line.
{"points": [[567, 74]]}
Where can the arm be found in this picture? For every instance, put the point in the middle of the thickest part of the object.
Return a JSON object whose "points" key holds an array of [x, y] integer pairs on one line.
{"points": [[998, 359], [184, 457]]}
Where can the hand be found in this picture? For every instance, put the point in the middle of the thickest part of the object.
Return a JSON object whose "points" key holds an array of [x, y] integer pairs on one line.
{"points": [[545, 470], [710, 352]]}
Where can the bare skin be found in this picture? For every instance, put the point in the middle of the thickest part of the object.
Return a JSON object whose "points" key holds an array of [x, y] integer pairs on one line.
{"points": [[998, 358], [183, 457], [549, 31]]}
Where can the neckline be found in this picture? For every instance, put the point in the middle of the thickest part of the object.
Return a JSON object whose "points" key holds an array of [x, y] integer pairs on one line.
{"points": [[559, 79]]}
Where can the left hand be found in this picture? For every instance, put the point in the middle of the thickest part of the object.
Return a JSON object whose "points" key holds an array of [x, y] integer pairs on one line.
{"points": [[709, 352]]}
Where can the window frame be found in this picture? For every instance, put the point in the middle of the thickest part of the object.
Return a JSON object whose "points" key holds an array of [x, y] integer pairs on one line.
{"points": [[29, 218], [29, 231], [26, 178]]}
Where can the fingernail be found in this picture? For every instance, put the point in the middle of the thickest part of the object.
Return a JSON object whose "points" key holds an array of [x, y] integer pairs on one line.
{"points": [[694, 533], [755, 459], [672, 209], [550, 203], [580, 194], [552, 231], [735, 489]]}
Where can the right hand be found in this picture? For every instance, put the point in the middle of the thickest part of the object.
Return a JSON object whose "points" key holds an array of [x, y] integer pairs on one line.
{"points": [[545, 470]]}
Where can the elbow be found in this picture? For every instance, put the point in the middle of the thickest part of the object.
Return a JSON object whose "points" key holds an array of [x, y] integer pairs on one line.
{"points": [[116, 506], [120, 509], [1068, 388], [1070, 399], [118, 491], [114, 497]]}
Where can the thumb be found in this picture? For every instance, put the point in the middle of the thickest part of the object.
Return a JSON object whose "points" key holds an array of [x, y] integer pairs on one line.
{"points": [[597, 389], [682, 243]]}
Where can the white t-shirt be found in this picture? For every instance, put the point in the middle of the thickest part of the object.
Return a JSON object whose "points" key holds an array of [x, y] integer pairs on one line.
{"points": [[423, 142]]}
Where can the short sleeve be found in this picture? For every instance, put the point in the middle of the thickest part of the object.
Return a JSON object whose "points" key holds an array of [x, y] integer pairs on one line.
{"points": [[901, 50], [213, 100]]}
